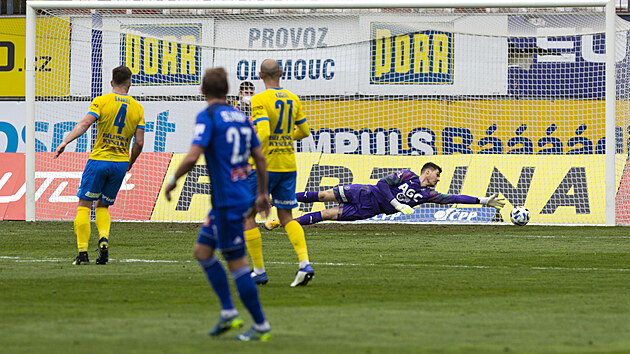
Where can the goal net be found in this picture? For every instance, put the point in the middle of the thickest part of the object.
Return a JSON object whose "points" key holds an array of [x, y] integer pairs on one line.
{"points": [[505, 100]]}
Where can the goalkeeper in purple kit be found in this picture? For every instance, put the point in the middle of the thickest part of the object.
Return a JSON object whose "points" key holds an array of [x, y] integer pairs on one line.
{"points": [[397, 192]]}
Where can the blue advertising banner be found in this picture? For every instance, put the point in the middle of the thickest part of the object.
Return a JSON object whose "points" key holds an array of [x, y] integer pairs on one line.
{"points": [[561, 66]]}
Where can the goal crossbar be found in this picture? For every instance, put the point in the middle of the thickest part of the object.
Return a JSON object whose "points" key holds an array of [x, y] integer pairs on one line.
{"points": [[309, 4]]}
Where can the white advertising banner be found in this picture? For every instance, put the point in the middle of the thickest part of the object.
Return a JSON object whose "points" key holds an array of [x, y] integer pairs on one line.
{"points": [[169, 125], [407, 57], [308, 49], [344, 55]]}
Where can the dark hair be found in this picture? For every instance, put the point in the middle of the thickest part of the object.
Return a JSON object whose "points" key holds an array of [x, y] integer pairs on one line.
{"points": [[121, 75], [245, 85], [430, 166], [215, 83]]}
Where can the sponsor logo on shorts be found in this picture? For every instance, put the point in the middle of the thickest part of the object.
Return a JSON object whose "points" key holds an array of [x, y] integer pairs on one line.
{"points": [[285, 202], [92, 194]]}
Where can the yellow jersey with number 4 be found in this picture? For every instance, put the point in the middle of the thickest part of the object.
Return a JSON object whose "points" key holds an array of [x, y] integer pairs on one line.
{"points": [[117, 118], [284, 111]]}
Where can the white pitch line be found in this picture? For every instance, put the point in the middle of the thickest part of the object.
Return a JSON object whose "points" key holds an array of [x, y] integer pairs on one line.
{"points": [[463, 266], [145, 261]]}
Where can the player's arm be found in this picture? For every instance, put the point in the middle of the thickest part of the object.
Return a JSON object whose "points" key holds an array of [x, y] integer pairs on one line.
{"points": [[260, 118], [78, 130], [492, 201], [392, 180], [201, 140], [262, 199], [302, 130], [137, 146], [185, 166], [263, 131]]}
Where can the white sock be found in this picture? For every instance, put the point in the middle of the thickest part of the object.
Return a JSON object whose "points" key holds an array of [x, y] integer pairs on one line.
{"points": [[263, 327], [259, 271], [229, 313], [304, 263]]}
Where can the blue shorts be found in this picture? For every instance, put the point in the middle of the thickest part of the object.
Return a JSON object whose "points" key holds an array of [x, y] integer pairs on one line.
{"points": [[102, 180], [223, 230], [253, 183], [281, 188]]}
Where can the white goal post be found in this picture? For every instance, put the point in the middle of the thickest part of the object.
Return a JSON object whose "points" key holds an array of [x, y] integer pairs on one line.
{"points": [[485, 92]]}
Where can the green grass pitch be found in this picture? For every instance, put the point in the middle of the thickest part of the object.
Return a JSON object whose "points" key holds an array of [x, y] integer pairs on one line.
{"points": [[377, 289]]}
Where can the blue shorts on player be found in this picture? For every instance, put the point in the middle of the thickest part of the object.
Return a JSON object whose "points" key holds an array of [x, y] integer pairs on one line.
{"points": [[281, 188], [223, 230], [102, 180]]}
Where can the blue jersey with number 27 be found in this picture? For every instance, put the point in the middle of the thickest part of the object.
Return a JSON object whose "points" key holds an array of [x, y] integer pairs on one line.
{"points": [[227, 137]]}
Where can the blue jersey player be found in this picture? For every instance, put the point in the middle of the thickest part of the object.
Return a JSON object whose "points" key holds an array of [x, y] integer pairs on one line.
{"points": [[226, 138], [397, 192]]}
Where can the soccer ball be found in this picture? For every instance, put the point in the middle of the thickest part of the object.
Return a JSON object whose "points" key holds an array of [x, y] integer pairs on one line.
{"points": [[519, 216]]}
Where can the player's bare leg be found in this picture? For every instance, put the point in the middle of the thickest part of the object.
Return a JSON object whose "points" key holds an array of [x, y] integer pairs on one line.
{"points": [[327, 196]]}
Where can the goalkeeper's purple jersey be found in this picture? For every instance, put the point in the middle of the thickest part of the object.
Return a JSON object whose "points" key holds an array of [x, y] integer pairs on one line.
{"points": [[405, 186]]}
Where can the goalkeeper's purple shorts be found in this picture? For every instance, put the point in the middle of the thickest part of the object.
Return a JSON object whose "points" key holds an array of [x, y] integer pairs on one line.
{"points": [[356, 202]]}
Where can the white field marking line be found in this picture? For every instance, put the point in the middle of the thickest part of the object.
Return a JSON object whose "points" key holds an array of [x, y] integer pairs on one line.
{"points": [[463, 266], [549, 236]]}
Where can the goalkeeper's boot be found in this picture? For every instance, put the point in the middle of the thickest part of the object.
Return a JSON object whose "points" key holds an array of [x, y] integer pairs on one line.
{"points": [[103, 251], [254, 334], [226, 324], [273, 224], [259, 279], [303, 276], [82, 258]]}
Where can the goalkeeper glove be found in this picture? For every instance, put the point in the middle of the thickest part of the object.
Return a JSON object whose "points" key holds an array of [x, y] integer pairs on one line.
{"points": [[403, 208], [493, 201]]}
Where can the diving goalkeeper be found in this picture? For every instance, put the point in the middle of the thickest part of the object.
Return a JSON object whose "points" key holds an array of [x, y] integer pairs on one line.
{"points": [[397, 192]]}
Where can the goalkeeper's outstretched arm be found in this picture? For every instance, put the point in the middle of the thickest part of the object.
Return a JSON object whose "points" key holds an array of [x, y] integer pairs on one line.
{"points": [[493, 201]]}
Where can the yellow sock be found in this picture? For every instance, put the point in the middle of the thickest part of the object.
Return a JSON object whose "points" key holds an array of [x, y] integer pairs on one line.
{"points": [[82, 228], [103, 222], [253, 240], [296, 235]]}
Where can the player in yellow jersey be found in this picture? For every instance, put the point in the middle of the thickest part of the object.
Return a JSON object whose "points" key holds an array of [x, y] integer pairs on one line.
{"points": [[119, 119], [279, 119]]}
